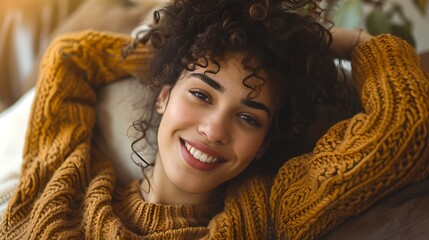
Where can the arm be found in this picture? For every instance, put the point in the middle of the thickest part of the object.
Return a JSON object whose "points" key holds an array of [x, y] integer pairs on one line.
{"points": [[74, 67], [244, 214], [59, 133], [360, 160], [344, 41]]}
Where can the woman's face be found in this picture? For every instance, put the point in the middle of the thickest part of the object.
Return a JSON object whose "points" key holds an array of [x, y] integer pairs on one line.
{"points": [[210, 131]]}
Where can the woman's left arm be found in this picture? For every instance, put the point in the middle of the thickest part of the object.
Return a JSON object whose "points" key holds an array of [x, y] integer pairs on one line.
{"points": [[362, 159]]}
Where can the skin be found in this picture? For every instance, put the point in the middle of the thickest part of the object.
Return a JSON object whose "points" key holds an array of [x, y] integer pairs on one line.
{"points": [[211, 113], [345, 40]]}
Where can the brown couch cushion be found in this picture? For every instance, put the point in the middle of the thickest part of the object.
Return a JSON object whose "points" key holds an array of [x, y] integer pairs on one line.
{"points": [[402, 215], [28, 26], [25, 28]]}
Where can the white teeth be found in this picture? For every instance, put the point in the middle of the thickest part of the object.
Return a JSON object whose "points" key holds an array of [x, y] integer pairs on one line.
{"points": [[204, 158], [197, 154]]}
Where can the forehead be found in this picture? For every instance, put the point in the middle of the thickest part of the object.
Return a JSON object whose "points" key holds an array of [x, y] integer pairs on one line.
{"points": [[238, 67]]}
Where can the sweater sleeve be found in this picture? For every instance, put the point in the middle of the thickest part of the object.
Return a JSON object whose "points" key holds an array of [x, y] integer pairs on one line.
{"points": [[362, 159], [56, 151]]}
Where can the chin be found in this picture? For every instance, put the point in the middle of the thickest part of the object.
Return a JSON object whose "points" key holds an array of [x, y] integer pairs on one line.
{"points": [[194, 185]]}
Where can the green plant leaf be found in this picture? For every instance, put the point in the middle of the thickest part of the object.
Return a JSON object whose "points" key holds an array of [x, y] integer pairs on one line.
{"points": [[350, 14], [378, 23], [404, 32]]}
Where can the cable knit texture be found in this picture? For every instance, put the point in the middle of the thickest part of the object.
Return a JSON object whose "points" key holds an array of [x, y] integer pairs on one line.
{"points": [[68, 189]]}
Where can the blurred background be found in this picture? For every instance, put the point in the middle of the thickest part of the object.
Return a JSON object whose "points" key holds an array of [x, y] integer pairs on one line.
{"points": [[407, 19], [27, 27]]}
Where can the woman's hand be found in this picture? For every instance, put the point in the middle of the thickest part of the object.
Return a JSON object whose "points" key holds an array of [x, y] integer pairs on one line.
{"points": [[345, 40]]}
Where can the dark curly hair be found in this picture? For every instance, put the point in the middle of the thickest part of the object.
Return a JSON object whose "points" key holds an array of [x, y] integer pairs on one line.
{"points": [[286, 38]]}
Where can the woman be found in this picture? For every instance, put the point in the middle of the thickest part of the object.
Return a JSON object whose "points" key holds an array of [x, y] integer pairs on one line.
{"points": [[237, 83]]}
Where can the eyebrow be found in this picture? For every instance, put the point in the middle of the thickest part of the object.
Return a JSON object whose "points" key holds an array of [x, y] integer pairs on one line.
{"points": [[247, 102], [257, 105], [211, 82]]}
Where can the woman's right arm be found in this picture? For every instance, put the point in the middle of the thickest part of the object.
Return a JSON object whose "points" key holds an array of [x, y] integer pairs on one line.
{"points": [[360, 160], [56, 152]]}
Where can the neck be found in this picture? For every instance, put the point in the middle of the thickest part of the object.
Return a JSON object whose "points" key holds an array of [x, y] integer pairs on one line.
{"points": [[157, 188]]}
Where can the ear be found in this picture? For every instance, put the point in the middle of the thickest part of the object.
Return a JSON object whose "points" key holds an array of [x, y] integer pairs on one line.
{"points": [[162, 99]]}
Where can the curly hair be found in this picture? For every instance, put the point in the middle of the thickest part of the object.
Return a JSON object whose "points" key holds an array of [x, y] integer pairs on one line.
{"points": [[286, 38]]}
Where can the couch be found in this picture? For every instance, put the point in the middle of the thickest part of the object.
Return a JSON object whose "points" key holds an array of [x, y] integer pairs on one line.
{"points": [[27, 27]]}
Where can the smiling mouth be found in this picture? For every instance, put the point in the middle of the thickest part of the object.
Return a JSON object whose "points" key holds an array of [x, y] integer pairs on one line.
{"points": [[201, 156]]}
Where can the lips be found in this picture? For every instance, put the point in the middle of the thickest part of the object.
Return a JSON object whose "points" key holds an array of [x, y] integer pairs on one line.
{"points": [[200, 157]]}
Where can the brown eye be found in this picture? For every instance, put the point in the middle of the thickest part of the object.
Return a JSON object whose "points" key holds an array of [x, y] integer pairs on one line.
{"points": [[249, 120], [200, 95]]}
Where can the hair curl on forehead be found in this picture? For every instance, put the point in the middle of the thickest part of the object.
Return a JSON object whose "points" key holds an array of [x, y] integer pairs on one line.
{"points": [[286, 38], [253, 81], [272, 32]]}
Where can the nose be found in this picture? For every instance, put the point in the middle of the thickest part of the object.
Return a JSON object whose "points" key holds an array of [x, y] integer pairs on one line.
{"points": [[215, 127]]}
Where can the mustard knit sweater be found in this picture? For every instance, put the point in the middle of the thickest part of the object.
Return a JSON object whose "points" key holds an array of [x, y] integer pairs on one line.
{"points": [[68, 190]]}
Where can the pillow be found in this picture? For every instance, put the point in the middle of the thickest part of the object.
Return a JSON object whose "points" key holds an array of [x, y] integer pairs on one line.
{"points": [[119, 105], [13, 126]]}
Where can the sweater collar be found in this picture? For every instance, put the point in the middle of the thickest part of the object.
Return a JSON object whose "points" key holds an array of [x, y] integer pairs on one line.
{"points": [[148, 218]]}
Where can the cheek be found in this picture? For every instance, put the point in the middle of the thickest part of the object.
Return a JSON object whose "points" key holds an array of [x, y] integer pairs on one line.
{"points": [[247, 147], [177, 115]]}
